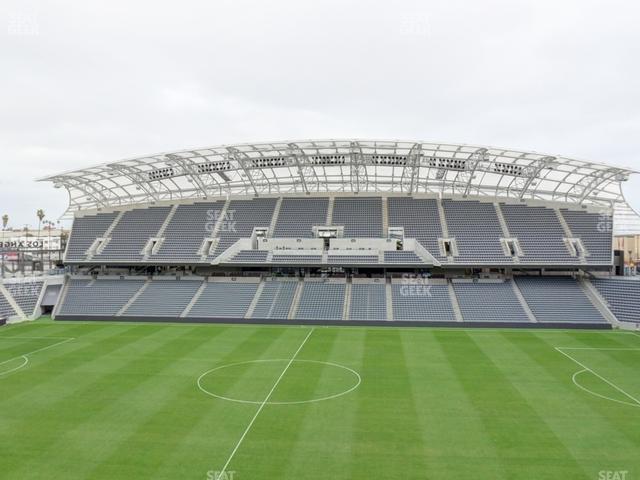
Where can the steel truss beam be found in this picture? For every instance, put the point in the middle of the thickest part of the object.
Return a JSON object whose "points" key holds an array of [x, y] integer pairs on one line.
{"points": [[325, 166]]}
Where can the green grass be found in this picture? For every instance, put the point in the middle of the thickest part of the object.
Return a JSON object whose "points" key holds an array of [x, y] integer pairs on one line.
{"points": [[122, 401]]}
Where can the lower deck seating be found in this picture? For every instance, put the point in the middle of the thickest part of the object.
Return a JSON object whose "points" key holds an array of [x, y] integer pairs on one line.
{"points": [[224, 300], [275, 300], [321, 301], [550, 299], [164, 298], [6, 310], [26, 294], [623, 297], [558, 299], [88, 297], [368, 301], [489, 302], [422, 302]]}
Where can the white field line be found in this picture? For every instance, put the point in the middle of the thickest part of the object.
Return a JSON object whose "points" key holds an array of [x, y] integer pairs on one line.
{"points": [[32, 338], [598, 375], [25, 355], [577, 384], [486, 331], [299, 402], [599, 348], [262, 405], [24, 363]]}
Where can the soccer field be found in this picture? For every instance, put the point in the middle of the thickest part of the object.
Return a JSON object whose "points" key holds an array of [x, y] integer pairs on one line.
{"points": [[137, 401]]}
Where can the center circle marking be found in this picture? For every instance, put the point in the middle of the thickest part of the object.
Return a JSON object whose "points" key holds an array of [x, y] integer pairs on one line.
{"points": [[356, 375]]}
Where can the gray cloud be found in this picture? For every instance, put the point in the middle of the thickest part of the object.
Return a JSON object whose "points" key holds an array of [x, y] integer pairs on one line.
{"points": [[88, 82]]}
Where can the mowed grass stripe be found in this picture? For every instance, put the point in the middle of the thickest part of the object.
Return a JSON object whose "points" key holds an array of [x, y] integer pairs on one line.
{"points": [[387, 440], [525, 444], [505, 408], [324, 438], [457, 444], [617, 366], [85, 430], [181, 406], [48, 375], [527, 364], [210, 439], [11, 348], [584, 422], [278, 427]]}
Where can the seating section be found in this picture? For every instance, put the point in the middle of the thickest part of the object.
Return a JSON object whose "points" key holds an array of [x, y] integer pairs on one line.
{"points": [[224, 300], [353, 259], [551, 299], [250, 256], [306, 259], [321, 301], [474, 224], [422, 302], [275, 300], [420, 219], [85, 231], [298, 216], [402, 257], [132, 233], [477, 231], [360, 216], [26, 294], [88, 297], [558, 299], [186, 231], [368, 301], [489, 302], [623, 297], [164, 298], [6, 310], [595, 231], [539, 233], [241, 217]]}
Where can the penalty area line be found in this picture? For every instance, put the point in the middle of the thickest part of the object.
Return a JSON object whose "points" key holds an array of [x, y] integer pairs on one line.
{"points": [[262, 405], [26, 355], [635, 400]]}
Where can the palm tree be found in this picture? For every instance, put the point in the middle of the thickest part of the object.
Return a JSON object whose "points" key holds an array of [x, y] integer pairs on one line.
{"points": [[5, 222], [40, 215]]}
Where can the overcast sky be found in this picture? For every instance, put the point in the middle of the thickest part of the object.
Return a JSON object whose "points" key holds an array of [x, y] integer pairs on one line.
{"points": [[87, 82]]}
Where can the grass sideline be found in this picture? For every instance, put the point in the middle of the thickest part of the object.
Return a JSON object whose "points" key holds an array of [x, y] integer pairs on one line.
{"points": [[123, 401]]}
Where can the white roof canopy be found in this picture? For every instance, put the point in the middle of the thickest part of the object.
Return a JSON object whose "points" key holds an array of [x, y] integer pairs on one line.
{"points": [[320, 166]]}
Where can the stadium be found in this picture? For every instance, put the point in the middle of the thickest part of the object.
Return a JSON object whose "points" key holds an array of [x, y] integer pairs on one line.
{"points": [[329, 309]]}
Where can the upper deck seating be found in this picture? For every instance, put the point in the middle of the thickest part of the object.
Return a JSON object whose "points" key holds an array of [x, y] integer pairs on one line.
{"points": [[420, 219], [360, 216], [132, 233], [298, 216], [539, 233], [477, 231]]}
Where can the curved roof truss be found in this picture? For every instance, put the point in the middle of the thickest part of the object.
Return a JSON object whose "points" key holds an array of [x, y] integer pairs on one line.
{"points": [[358, 166]]}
